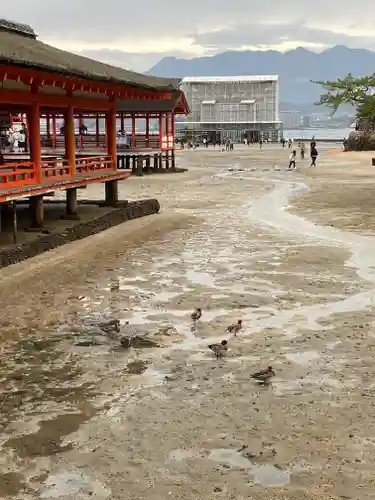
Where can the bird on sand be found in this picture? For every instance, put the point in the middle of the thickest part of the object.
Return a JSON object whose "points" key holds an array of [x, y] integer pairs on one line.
{"points": [[264, 375], [197, 314], [219, 349], [110, 326], [235, 328]]}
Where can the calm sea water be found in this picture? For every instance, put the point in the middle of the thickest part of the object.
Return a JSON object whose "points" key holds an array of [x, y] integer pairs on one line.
{"points": [[320, 133], [307, 134]]}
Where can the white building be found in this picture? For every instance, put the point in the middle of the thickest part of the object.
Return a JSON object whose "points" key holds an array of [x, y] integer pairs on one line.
{"points": [[232, 106]]}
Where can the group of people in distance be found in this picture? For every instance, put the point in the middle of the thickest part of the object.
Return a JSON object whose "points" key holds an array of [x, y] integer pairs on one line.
{"points": [[302, 148]]}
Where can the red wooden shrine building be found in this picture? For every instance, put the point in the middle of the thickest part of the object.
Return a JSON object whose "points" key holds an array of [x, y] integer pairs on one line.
{"points": [[37, 80]]}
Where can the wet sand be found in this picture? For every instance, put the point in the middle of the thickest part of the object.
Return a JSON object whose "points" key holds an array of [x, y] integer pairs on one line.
{"points": [[168, 420]]}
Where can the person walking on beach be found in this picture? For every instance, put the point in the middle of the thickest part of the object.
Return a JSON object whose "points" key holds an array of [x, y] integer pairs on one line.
{"points": [[261, 143], [292, 160], [313, 154], [302, 148]]}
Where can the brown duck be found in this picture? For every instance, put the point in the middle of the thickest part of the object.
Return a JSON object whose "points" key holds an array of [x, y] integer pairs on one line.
{"points": [[110, 326], [235, 328], [264, 375], [197, 314], [219, 349]]}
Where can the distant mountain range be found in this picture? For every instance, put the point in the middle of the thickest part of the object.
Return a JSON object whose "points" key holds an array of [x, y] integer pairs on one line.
{"points": [[296, 68]]}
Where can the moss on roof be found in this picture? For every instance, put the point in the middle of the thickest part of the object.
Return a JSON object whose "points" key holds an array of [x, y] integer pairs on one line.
{"points": [[19, 46], [149, 106]]}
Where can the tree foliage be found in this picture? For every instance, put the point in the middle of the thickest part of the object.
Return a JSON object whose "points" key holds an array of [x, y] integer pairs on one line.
{"points": [[358, 92]]}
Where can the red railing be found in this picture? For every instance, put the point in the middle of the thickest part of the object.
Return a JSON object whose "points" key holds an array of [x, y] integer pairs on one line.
{"points": [[17, 174], [57, 169], [151, 142], [94, 164], [167, 142], [22, 174]]}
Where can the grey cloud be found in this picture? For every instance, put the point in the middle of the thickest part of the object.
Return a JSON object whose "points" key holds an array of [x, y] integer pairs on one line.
{"points": [[260, 35], [106, 23]]}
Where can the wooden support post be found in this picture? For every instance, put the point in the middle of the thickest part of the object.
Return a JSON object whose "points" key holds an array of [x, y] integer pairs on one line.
{"points": [[35, 146], [173, 159], [134, 164], [6, 218], [71, 204], [111, 193], [111, 137], [127, 160], [167, 159], [70, 147], [155, 163], [37, 211], [139, 168], [148, 164], [14, 206]]}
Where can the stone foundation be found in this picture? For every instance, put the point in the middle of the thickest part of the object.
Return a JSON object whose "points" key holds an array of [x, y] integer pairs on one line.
{"points": [[124, 211]]}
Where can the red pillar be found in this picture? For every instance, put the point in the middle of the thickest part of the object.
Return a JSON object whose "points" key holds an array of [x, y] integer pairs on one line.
{"points": [[35, 147], [54, 131], [70, 146], [122, 122], [48, 125], [80, 138], [167, 128], [133, 132], [173, 130], [97, 130], [147, 127], [111, 137], [161, 131]]}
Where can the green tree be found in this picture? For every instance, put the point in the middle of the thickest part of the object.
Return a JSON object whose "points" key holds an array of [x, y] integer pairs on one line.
{"points": [[359, 92]]}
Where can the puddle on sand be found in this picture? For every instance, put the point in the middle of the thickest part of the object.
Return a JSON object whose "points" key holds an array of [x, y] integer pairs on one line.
{"points": [[268, 476], [181, 455], [165, 296], [197, 278], [11, 484], [303, 358], [73, 483], [48, 439]]}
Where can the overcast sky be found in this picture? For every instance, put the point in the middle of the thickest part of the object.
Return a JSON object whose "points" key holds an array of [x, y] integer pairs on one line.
{"points": [[136, 34]]}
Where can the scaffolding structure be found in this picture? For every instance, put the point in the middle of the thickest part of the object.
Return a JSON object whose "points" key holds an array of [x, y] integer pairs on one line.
{"points": [[234, 107]]}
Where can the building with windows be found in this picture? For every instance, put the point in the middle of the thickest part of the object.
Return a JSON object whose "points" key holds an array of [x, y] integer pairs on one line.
{"points": [[235, 107]]}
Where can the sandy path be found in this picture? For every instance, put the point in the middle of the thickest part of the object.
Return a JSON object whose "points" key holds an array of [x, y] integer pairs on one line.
{"points": [[166, 422]]}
